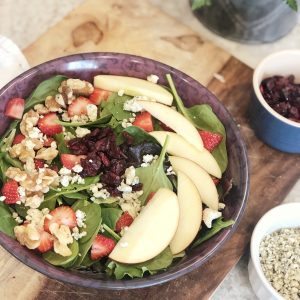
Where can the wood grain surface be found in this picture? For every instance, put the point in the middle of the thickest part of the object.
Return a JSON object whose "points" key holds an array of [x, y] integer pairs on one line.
{"points": [[139, 28]]}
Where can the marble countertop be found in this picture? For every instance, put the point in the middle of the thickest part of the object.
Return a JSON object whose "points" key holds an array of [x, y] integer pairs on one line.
{"points": [[34, 19]]}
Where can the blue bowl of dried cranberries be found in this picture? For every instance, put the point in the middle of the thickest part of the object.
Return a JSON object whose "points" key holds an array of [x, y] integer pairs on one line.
{"points": [[275, 107]]}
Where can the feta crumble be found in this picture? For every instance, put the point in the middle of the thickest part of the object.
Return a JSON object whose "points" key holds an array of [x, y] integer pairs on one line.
{"points": [[77, 168], [209, 215], [81, 132], [80, 218], [153, 78], [130, 177], [170, 171], [126, 123], [148, 159], [92, 111], [132, 105], [125, 188], [121, 93], [98, 191]]}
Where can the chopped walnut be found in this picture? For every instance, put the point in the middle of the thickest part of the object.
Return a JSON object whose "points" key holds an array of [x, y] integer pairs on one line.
{"points": [[52, 104], [63, 237], [16, 174], [30, 119], [28, 236], [60, 99], [78, 87], [22, 152], [29, 166], [35, 217], [34, 200], [41, 109], [47, 153]]}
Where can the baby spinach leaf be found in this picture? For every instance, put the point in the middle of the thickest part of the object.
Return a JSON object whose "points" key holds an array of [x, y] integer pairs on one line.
{"points": [[100, 121], [21, 210], [50, 200], [3, 167], [61, 144], [13, 125], [62, 261], [110, 232], [139, 135], [203, 118], [153, 177], [48, 87], [76, 196], [110, 216], [12, 161], [92, 218], [108, 200], [5, 143], [217, 226], [7, 222], [158, 263]]}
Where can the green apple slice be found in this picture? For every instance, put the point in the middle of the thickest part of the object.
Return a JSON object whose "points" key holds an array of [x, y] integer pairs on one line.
{"points": [[178, 146], [151, 231], [133, 87], [190, 214], [174, 120], [203, 182]]}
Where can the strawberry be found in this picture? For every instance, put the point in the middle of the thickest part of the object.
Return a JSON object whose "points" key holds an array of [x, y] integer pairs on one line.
{"points": [[210, 139], [78, 107], [46, 243], [101, 246], [10, 191], [70, 160], [39, 163], [48, 125], [144, 121], [62, 215], [18, 139], [150, 196], [99, 95], [15, 108], [48, 142], [54, 168], [125, 220]]}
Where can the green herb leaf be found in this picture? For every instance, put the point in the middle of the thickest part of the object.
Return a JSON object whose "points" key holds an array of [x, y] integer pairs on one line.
{"points": [[48, 87], [153, 177], [152, 266], [217, 226], [61, 144], [292, 4], [111, 232], [196, 4], [7, 222]]}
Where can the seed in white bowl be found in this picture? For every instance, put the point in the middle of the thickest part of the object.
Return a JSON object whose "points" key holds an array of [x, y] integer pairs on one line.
{"points": [[280, 261]]}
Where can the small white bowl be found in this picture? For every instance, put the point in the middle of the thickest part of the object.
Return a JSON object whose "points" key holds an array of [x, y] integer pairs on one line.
{"points": [[282, 216]]}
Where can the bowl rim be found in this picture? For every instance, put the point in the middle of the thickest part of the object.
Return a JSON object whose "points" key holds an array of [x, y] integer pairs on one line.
{"points": [[256, 85], [158, 278], [254, 258]]}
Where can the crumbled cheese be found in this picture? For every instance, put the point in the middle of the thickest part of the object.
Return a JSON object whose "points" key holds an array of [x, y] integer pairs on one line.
{"points": [[29, 144], [125, 123], [130, 202], [99, 192], [76, 235], [280, 261], [77, 179], [130, 177], [35, 133], [132, 105], [68, 135], [92, 111], [125, 188], [65, 117], [121, 93], [81, 132], [209, 215], [170, 171], [2, 198], [80, 218], [153, 78], [80, 119], [148, 159], [17, 218], [64, 171], [221, 206], [21, 191], [65, 180], [77, 168]]}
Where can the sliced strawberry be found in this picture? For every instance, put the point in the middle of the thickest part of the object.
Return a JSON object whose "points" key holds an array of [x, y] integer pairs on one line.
{"points": [[46, 242], [144, 121], [150, 196], [215, 180], [10, 191], [39, 163], [18, 139], [210, 139], [62, 215], [48, 125], [15, 108], [54, 168], [125, 220], [69, 161], [48, 142], [99, 95], [101, 246], [78, 107]]}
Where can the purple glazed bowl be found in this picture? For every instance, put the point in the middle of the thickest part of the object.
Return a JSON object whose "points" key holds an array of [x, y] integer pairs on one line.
{"points": [[85, 66]]}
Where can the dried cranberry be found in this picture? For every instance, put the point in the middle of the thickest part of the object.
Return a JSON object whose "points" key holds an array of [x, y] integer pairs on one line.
{"points": [[111, 179], [118, 166]]}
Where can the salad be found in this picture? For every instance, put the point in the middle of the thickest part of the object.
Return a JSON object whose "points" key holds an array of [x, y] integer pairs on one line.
{"points": [[117, 177]]}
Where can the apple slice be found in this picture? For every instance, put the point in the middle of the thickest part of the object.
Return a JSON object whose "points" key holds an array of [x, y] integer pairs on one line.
{"points": [[190, 214], [133, 87], [203, 182], [174, 120], [178, 146], [151, 231]]}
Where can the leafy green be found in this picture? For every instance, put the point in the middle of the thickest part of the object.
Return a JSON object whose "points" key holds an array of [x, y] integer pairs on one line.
{"points": [[48, 87], [152, 266], [21, 210], [196, 4], [110, 216], [76, 196], [3, 167], [153, 177], [138, 134], [5, 143], [217, 225], [13, 125], [61, 144], [12, 161], [62, 261], [100, 121], [108, 200], [203, 118], [292, 4], [7, 222], [111, 233]]}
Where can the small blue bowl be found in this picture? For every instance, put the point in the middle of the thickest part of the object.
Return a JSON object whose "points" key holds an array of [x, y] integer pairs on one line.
{"points": [[269, 126]]}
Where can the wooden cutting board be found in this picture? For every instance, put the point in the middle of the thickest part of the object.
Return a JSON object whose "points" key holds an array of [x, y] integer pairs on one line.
{"points": [[139, 28]]}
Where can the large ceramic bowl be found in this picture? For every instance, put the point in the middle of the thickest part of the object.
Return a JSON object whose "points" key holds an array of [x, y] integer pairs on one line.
{"points": [[85, 66]]}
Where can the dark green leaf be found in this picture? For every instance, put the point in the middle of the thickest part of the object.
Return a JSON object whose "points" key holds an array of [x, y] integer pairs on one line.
{"points": [[3, 167], [110, 216], [21, 210], [196, 4], [12, 161], [217, 226], [7, 222], [292, 4], [100, 121], [48, 87], [139, 135], [61, 144]]}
